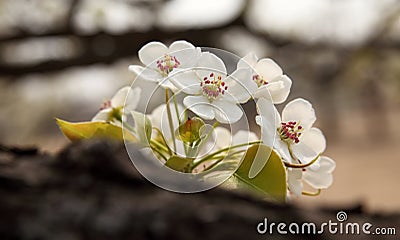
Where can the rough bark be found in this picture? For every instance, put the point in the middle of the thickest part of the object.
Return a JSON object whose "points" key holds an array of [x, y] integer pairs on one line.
{"points": [[90, 190]]}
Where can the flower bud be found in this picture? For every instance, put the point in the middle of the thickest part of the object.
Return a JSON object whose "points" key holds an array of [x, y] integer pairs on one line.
{"points": [[191, 130]]}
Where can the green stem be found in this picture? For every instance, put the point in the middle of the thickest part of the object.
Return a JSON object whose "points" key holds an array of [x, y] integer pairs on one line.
{"points": [[159, 152], [159, 145], [171, 124], [203, 141], [185, 146], [293, 165], [218, 160], [208, 157], [191, 151], [222, 158], [311, 194], [163, 138], [176, 109]]}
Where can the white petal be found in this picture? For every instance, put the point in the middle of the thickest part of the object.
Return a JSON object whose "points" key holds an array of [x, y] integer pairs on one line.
{"points": [[156, 116], [267, 130], [151, 52], [145, 73], [268, 69], [319, 180], [200, 106], [240, 85], [187, 54], [188, 58], [294, 181], [322, 178], [248, 61], [210, 63], [102, 115], [180, 45], [282, 148], [227, 112], [268, 120], [119, 98], [186, 81], [276, 91], [280, 95], [223, 137], [312, 143], [243, 136], [299, 110], [326, 164], [132, 99], [159, 118], [266, 109], [165, 83]]}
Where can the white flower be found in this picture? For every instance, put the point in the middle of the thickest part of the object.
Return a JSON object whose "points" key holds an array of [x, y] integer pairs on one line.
{"points": [[318, 178], [160, 60], [293, 135], [159, 119], [294, 181], [223, 138], [267, 78], [213, 94], [114, 110]]}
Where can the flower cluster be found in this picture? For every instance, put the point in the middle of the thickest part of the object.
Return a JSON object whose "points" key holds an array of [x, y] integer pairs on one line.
{"points": [[201, 94]]}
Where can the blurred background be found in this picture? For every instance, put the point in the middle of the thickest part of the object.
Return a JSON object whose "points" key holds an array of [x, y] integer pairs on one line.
{"points": [[63, 58]]}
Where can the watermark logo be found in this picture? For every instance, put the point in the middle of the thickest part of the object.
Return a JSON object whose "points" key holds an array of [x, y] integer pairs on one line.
{"points": [[341, 216], [339, 226]]}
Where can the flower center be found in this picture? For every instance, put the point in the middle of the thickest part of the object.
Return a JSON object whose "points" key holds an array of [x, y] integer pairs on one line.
{"points": [[105, 105], [290, 132], [213, 86], [259, 80], [167, 64]]}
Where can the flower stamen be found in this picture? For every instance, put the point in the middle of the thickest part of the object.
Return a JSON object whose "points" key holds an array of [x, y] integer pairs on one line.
{"points": [[105, 105], [290, 132], [259, 80], [167, 64], [213, 86]]}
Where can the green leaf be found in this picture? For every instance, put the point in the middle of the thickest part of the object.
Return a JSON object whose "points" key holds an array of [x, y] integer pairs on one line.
{"points": [[143, 127], [271, 180], [221, 170], [179, 164], [87, 130]]}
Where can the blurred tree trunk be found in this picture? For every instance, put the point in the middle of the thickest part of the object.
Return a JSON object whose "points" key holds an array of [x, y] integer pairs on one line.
{"points": [[91, 191]]}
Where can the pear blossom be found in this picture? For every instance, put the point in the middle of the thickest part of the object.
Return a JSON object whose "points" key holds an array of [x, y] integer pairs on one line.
{"points": [[267, 78], [223, 138], [292, 136], [160, 60], [294, 181], [212, 93], [318, 178], [114, 110], [159, 119]]}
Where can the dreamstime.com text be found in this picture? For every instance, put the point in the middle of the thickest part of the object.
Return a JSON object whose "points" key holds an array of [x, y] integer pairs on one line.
{"points": [[338, 226]]}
